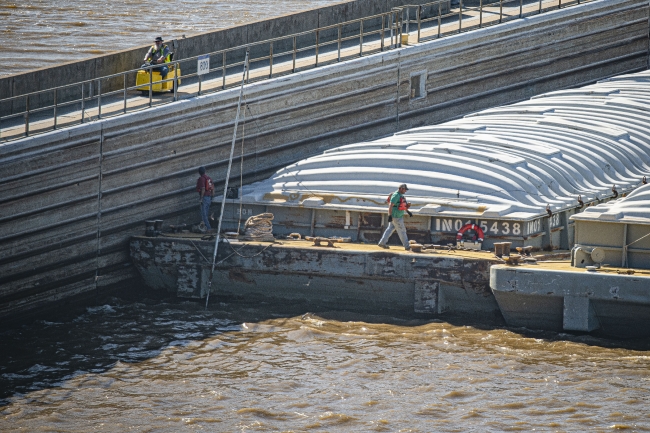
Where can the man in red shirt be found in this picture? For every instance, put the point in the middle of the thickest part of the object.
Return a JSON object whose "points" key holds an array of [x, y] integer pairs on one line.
{"points": [[205, 188]]}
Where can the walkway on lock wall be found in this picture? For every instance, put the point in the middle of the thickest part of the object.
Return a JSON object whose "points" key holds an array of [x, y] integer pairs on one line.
{"points": [[428, 28]]}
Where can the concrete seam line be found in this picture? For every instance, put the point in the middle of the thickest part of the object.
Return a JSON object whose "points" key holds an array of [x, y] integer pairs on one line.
{"points": [[88, 256], [46, 146], [540, 63], [46, 139], [269, 151], [49, 170], [76, 200], [220, 126], [250, 136], [36, 251], [529, 49], [212, 128], [39, 229], [59, 262], [286, 146], [35, 291]]}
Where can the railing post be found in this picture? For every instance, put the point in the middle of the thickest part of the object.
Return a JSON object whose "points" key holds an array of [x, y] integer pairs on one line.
{"points": [[559, 4], [27, 116], [521, 8], [317, 38], [361, 38], [439, 16], [418, 12], [391, 30], [55, 108], [293, 68], [383, 23], [408, 19], [150, 86], [397, 28], [338, 58], [83, 105], [271, 60], [460, 16], [124, 93], [176, 81], [223, 70], [248, 70], [501, 10], [480, 14], [99, 99]]}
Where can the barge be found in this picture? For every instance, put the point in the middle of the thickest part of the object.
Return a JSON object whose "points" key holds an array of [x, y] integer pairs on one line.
{"points": [[521, 173]]}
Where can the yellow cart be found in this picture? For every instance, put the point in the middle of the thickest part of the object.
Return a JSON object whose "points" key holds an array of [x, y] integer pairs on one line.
{"points": [[142, 80]]}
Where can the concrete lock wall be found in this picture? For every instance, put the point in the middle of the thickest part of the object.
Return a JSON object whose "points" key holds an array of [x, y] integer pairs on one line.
{"points": [[70, 199], [116, 62]]}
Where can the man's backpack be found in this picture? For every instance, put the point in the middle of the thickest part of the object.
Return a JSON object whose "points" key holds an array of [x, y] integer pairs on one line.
{"points": [[209, 186]]}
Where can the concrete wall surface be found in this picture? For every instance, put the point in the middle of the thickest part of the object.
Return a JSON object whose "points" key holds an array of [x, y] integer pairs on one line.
{"points": [[70, 199], [120, 61]]}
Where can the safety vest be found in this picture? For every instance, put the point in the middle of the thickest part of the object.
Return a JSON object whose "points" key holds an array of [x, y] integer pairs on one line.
{"points": [[402, 201], [160, 52]]}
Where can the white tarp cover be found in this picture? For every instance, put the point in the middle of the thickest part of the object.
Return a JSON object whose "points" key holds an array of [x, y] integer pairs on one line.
{"points": [[633, 209], [505, 162]]}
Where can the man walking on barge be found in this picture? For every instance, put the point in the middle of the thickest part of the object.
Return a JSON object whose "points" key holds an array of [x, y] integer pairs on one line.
{"points": [[397, 206], [205, 188]]}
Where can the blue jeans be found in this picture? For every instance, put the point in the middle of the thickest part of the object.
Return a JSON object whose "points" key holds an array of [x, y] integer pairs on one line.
{"points": [[163, 71], [205, 211], [396, 225]]}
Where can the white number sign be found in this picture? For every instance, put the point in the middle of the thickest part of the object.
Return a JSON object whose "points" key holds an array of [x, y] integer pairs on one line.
{"points": [[490, 228], [203, 65]]}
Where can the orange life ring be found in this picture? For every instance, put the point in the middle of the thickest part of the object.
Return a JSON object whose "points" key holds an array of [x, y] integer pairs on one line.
{"points": [[477, 229]]}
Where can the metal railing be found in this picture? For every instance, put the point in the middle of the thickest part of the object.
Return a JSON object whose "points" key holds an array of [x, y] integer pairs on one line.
{"points": [[278, 56]]}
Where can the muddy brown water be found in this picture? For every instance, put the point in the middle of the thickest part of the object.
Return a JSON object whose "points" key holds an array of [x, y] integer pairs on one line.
{"points": [[42, 33], [157, 365]]}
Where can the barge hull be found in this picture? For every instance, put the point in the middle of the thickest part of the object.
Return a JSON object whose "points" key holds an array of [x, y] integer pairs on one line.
{"points": [[355, 277], [570, 300]]}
